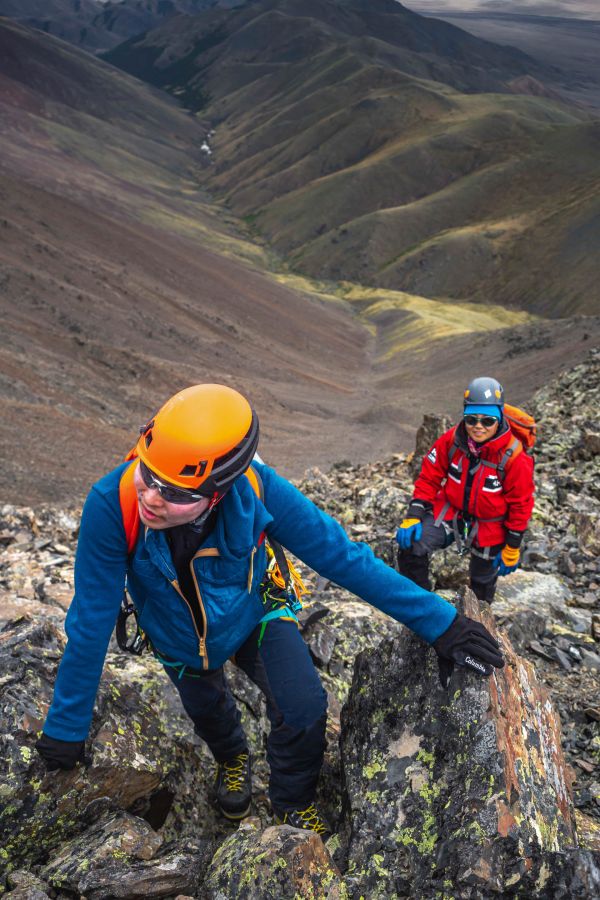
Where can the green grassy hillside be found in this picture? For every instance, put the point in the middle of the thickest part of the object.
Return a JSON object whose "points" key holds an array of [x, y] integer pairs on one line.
{"points": [[368, 143]]}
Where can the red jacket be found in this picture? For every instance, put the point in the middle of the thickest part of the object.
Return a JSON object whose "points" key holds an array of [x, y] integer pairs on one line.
{"points": [[473, 487]]}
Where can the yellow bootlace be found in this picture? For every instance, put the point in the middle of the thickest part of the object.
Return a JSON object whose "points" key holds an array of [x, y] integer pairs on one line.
{"points": [[311, 819], [234, 772]]}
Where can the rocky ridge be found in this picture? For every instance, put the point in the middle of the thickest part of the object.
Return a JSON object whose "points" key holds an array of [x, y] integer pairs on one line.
{"points": [[138, 821], [551, 607]]}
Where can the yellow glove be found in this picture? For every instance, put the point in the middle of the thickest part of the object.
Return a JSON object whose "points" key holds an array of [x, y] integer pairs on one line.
{"points": [[507, 560]]}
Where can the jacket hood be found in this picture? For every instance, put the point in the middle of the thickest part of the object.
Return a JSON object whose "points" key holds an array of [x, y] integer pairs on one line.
{"points": [[242, 519]]}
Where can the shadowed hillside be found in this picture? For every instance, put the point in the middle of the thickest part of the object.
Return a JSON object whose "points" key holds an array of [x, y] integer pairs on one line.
{"points": [[96, 25], [120, 283], [363, 141]]}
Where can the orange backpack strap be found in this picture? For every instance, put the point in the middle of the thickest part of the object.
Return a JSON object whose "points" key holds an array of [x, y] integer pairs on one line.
{"points": [[258, 488], [256, 482], [129, 501], [129, 506]]}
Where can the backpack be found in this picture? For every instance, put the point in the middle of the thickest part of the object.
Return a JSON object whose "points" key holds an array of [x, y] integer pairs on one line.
{"points": [[282, 587], [524, 430], [522, 425]]}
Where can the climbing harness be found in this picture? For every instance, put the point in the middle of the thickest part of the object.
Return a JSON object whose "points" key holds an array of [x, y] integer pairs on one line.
{"points": [[281, 589], [135, 643]]}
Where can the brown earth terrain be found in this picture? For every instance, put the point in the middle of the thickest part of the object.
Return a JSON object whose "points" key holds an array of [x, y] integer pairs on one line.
{"points": [[121, 283], [368, 143]]}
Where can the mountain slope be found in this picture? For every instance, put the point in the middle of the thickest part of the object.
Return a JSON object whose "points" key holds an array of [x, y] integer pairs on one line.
{"points": [[96, 25], [570, 43], [120, 283], [363, 142]]}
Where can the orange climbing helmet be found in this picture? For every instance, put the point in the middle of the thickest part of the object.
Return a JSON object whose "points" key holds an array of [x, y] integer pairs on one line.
{"points": [[202, 439]]}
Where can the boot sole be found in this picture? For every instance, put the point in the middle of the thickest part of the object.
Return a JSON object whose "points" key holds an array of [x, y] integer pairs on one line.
{"points": [[234, 816]]}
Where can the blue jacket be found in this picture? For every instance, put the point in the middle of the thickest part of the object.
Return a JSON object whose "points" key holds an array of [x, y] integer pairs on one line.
{"points": [[229, 567]]}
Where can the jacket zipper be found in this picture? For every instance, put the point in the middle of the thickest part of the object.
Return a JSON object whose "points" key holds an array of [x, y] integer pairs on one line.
{"points": [[201, 639], [207, 551]]}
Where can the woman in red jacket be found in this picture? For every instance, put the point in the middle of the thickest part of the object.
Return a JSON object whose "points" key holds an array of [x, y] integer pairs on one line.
{"points": [[476, 488]]}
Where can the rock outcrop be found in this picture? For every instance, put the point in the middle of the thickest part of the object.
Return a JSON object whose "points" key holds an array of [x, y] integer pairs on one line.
{"points": [[460, 793], [433, 794], [277, 863]]}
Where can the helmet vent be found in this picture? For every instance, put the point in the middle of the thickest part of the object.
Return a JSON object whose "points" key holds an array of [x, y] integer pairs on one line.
{"points": [[146, 432], [197, 470]]}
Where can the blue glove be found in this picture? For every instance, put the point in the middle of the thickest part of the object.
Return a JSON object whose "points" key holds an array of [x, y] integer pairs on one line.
{"points": [[409, 531], [507, 560]]}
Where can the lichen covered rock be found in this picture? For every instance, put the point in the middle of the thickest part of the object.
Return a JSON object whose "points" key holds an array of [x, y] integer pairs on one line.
{"points": [[133, 759], [120, 856], [463, 793], [280, 863]]}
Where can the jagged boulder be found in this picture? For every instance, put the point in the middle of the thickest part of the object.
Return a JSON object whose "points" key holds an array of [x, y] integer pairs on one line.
{"points": [[136, 764], [120, 856], [464, 794], [24, 885], [531, 604], [147, 768], [428, 432], [280, 863]]}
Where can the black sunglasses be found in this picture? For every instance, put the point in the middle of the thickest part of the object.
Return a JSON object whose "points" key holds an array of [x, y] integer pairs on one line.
{"points": [[169, 492], [486, 421]]}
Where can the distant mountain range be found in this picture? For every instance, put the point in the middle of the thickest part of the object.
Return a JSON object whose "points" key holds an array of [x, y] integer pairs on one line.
{"points": [[121, 282], [369, 143], [556, 8], [568, 39], [101, 24]]}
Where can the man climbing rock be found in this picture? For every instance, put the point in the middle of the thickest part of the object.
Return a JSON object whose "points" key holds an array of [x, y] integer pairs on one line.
{"points": [[475, 488], [195, 529]]}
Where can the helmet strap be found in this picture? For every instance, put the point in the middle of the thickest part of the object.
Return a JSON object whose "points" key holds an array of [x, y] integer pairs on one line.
{"points": [[198, 523]]}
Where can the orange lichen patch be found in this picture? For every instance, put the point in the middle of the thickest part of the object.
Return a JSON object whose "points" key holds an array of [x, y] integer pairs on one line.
{"points": [[32, 723], [506, 820], [483, 869], [537, 781]]}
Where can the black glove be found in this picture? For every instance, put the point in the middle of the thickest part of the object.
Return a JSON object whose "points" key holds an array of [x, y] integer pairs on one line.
{"points": [[60, 754], [469, 644]]}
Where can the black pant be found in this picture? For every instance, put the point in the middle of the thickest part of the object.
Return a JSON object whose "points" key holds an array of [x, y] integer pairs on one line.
{"points": [[296, 706], [414, 563]]}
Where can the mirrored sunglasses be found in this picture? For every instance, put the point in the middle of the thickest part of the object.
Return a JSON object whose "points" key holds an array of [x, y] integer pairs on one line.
{"points": [[170, 492], [486, 421]]}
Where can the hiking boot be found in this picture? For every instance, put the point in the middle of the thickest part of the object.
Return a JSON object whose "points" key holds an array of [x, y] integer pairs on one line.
{"points": [[309, 819], [233, 786]]}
